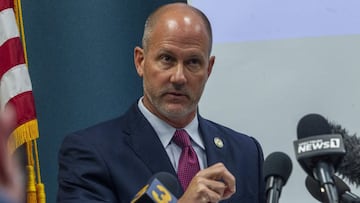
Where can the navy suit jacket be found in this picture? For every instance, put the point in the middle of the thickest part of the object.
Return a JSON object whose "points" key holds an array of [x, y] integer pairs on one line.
{"points": [[112, 161]]}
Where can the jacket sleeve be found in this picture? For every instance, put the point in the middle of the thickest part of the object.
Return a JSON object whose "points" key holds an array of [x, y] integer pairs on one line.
{"points": [[262, 197], [83, 175]]}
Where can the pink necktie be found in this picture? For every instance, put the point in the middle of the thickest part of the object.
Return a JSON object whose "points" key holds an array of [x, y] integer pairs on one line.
{"points": [[188, 162]]}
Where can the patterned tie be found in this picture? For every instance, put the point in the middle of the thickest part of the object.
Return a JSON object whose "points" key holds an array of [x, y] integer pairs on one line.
{"points": [[188, 162]]}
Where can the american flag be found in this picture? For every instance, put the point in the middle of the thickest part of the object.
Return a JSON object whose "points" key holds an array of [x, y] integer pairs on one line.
{"points": [[15, 83], [16, 95]]}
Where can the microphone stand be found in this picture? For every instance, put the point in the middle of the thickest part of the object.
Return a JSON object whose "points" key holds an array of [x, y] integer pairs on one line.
{"points": [[323, 173], [274, 185]]}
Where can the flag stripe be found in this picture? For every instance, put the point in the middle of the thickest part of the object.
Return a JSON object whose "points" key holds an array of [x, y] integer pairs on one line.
{"points": [[8, 25], [6, 4], [13, 82], [25, 107], [11, 54]]}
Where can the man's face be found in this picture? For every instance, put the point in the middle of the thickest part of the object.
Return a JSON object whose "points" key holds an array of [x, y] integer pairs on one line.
{"points": [[175, 67]]}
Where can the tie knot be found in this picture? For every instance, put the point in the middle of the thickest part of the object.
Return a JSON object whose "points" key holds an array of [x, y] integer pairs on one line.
{"points": [[181, 138]]}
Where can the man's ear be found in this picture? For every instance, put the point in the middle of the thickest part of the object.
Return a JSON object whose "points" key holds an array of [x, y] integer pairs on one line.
{"points": [[139, 60], [211, 64]]}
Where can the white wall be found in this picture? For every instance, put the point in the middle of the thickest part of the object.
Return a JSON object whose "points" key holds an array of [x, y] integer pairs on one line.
{"points": [[263, 87]]}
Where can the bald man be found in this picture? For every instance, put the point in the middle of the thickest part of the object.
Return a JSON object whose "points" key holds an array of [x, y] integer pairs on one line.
{"points": [[112, 161]]}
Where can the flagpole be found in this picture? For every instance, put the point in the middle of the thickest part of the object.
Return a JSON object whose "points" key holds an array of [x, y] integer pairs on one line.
{"points": [[19, 18], [35, 189], [31, 185], [40, 187]]}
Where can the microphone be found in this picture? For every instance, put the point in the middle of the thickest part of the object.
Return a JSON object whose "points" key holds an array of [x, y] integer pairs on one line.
{"points": [[349, 167], [162, 187], [277, 169], [319, 152], [317, 191]]}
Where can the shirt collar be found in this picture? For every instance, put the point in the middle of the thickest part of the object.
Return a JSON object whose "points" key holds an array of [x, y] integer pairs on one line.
{"points": [[166, 131]]}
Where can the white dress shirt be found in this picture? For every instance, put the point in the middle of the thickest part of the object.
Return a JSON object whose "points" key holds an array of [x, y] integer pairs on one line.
{"points": [[165, 133]]}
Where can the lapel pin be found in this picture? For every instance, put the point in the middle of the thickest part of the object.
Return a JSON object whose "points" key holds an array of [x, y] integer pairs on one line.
{"points": [[218, 142]]}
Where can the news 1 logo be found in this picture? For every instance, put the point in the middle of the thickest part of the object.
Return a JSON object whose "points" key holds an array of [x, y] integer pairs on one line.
{"points": [[319, 145]]}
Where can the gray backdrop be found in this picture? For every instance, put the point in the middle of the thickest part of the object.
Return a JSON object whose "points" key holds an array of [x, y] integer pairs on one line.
{"points": [[279, 60], [264, 88]]}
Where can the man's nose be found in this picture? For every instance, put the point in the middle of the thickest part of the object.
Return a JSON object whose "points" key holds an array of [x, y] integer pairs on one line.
{"points": [[178, 76]]}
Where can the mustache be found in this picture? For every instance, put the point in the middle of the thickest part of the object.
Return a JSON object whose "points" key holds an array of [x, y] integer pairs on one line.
{"points": [[178, 90]]}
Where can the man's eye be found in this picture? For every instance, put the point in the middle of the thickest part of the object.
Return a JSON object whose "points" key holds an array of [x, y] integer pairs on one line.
{"points": [[166, 58], [194, 62]]}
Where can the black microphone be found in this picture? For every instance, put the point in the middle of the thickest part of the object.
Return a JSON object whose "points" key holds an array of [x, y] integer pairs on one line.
{"points": [[317, 191], [277, 169], [349, 167], [162, 187], [319, 152]]}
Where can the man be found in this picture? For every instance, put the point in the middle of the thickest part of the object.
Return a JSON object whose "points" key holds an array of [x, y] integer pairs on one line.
{"points": [[112, 161]]}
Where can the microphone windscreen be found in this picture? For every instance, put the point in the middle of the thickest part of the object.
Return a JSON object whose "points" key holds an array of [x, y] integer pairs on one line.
{"points": [[349, 167], [312, 125], [169, 181], [278, 164]]}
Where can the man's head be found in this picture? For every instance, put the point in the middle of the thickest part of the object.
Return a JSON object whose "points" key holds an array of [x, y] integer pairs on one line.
{"points": [[175, 62], [154, 17]]}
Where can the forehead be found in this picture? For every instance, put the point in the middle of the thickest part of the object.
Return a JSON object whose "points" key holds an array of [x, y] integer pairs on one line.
{"points": [[184, 27]]}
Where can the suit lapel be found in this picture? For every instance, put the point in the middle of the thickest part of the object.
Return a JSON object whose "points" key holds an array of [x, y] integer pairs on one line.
{"points": [[216, 145], [146, 144]]}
